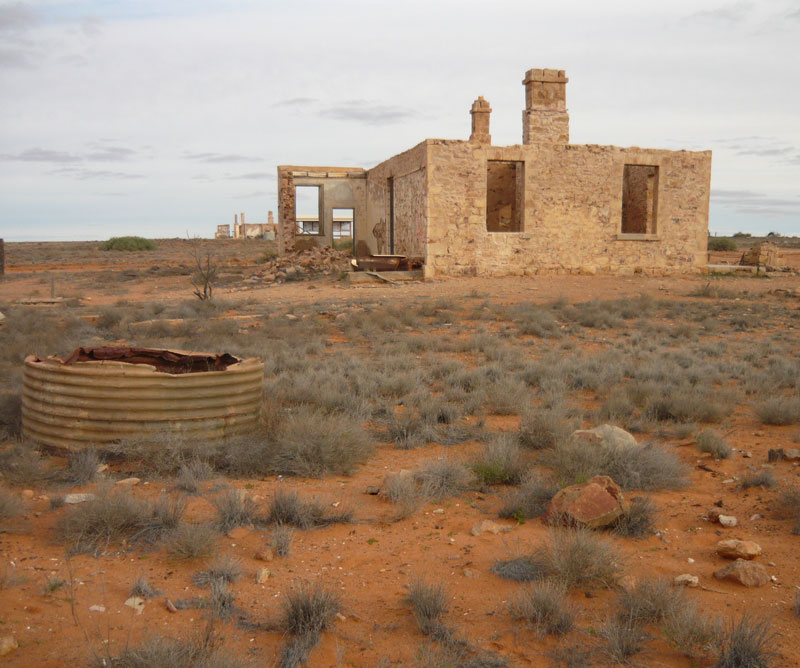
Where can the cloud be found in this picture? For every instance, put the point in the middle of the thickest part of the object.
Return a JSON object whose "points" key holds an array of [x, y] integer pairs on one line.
{"points": [[755, 203], [296, 102], [733, 12], [16, 20], [42, 155], [794, 16], [17, 17], [766, 152], [253, 194], [220, 157], [255, 176], [83, 174], [362, 111], [111, 154]]}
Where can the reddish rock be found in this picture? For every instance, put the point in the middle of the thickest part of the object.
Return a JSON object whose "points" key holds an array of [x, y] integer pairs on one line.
{"points": [[594, 504], [748, 573], [738, 549]]}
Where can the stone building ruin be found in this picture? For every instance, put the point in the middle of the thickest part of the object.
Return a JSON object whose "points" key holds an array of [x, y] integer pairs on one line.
{"points": [[466, 207]]}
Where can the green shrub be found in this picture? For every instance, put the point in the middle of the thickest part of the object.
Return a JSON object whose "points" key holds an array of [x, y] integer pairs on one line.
{"points": [[127, 244], [721, 244]]}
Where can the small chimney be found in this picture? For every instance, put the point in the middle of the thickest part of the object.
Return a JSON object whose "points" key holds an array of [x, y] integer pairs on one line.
{"points": [[545, 118], [270, 218], [481, 112]]}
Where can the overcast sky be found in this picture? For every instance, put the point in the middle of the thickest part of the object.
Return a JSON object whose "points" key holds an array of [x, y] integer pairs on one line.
{"points": [[166, 117]]}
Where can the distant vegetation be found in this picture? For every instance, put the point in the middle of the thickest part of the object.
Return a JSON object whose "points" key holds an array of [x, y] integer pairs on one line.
{"points": [[721, 244], [127, 244]]}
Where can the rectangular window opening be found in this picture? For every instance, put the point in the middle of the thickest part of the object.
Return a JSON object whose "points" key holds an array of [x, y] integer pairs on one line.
{"points": [[307, 210], [342, 223], [505, 194], [639, 199]]}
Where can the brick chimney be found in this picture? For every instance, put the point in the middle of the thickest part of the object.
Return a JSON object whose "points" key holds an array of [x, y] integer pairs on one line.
{"points": [[481, 111], [545, 118]]}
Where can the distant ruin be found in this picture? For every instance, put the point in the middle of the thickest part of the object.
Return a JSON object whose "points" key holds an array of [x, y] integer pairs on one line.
{"points": [[467, 207], [242, 230]]}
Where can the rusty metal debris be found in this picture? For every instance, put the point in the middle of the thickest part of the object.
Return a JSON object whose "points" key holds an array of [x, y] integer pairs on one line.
{"points": [[168, 361]]}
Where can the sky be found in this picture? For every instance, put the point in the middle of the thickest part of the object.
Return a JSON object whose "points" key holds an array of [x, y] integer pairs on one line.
{"points": [[164, 118]]}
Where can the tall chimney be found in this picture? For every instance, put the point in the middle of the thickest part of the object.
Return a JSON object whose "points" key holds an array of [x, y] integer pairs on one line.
{"points": [[481, 111], [545, 118]]}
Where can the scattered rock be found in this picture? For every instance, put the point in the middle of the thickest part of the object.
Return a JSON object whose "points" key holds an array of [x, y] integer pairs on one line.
{"points": [[607, 434], [267, 554], [340, 617], [747, 454], [128, 482], [78, 498], [738, 549], [97, 608], [594, 504], [791, 453], [8, 644], [727, 520], [470, 573], [27, 493], [748, 573], [373, 490], [439, 511], [136, 603], [169, 605], [262, 575], [487, 526], [755, 517], [713, 515], [686, 580]]}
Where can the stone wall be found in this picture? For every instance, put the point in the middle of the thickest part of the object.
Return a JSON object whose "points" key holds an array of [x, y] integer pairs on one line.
{"points": [[572, 214], [408, 173]]}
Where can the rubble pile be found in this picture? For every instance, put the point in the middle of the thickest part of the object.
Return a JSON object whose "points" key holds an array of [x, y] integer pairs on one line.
{"points": [[302, 264]]}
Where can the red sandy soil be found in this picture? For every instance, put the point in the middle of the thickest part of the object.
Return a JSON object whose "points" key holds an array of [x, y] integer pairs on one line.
{"points": [[371, 561]]}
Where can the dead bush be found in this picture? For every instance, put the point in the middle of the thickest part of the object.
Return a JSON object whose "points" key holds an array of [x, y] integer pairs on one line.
{"points": [[763, 478], [191, 474], [638, 520], [312, 443], [650, 600], [530, 500], [287, 508], [521, 569], [224, 568], [234, 509], [645, 467], [577, 557], [443, 478], [281, 540], [545, 606], [692, 632], [10, 505], [544, 427], [507, 396], [624, 639], [747, 644], [10, 414], [499, 462], [403, 491], [428, 603], [307, 612], [22, 465], [779, 410], [141, 588], [789, 500], [192, 541], [410, 431], [81, 467], [710, 441]]}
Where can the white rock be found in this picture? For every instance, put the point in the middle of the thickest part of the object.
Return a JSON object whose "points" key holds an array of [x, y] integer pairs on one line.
{"points": [[128, 482], [136, 603], [78, 498], [727, 520], [686, 580], [97, 608]]}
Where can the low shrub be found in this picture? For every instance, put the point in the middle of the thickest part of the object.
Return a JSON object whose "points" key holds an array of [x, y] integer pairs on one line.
{"points": [[224, 568], [499, 462], [307, 612], [543, 427], [521, 569], [530, 500], [544, 605], [287, 508], [624, 639], [141, 588], [443, 478], [10, 505], [693, 632], [127, 244], [81, 467], [234, 509], [721, 244], [192, 541], [746, 644], [281, 540], [638, 520], [155, 650], [763, 478], [779, 410], [710, 441], [649, 600], [578, 557], [789, 500], [428, 603], [191, 474]]}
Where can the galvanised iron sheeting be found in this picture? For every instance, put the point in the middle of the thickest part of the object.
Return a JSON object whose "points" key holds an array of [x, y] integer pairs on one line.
{"points": [[95, 402]]}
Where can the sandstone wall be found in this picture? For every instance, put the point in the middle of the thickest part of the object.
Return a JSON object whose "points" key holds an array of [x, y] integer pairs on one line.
{"points": [[341, 187], [572, 212], [408, 172]]}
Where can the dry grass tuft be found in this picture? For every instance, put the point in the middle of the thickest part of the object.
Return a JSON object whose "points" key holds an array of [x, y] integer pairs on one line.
{"points": [[192, 541], [544, 605]]}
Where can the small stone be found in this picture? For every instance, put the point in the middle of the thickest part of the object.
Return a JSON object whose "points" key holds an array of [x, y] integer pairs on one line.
{"points": [[791, 453], [758, 433], [748, 573], [8, 644], [713, 515], [267, 554], [262, 575], [372, 490], [690, 560], [470, 573], [340, 617], [128, 482], [101, 468], [78, 498], [747, 454], [27, 493], [136, 603], [439, 511], [169, 605], [686, 580], [727, 520], [738, 549], [97, 608], [755, 517]]}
